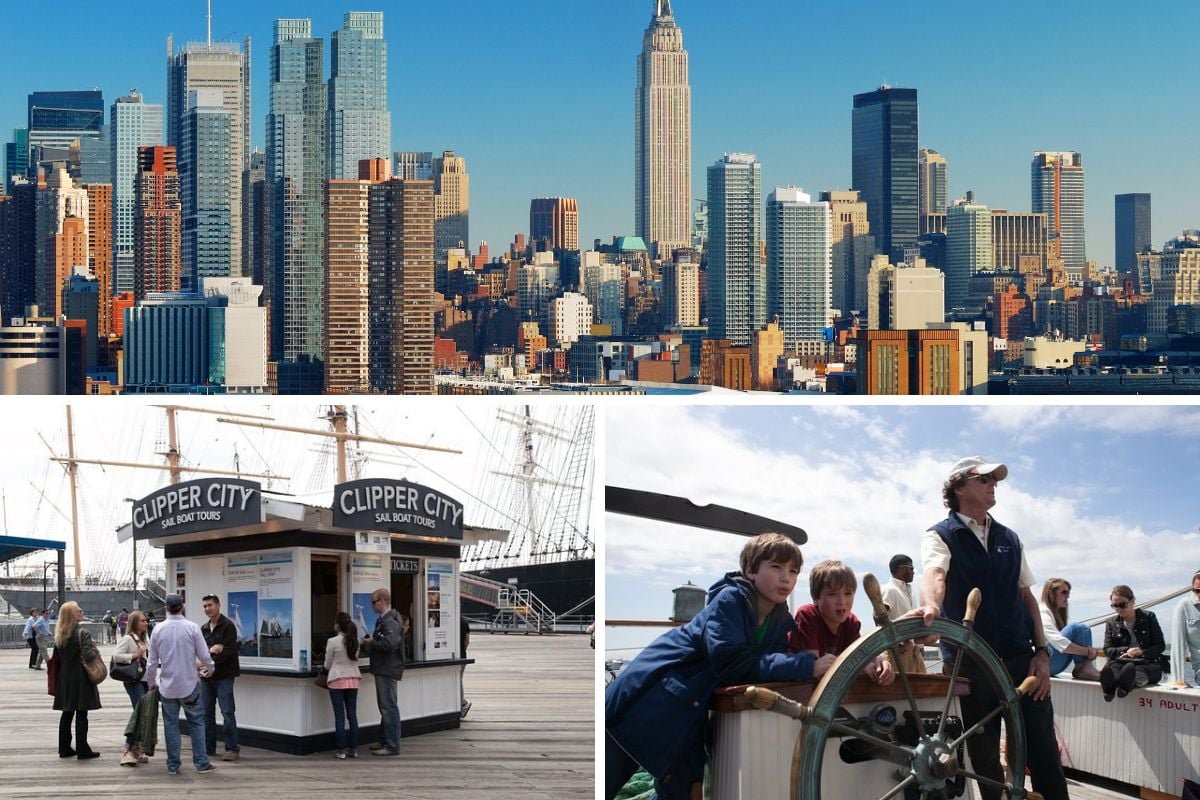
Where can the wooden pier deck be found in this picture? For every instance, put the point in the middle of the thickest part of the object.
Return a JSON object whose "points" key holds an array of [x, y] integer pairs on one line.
{"points": [[529, 736]]}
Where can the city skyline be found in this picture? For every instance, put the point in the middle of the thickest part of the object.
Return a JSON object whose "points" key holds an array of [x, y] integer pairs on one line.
{"points": [[987, 123]]}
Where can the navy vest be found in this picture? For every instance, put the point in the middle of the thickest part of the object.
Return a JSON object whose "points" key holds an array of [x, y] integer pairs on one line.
{"points": [[1002, 620]]}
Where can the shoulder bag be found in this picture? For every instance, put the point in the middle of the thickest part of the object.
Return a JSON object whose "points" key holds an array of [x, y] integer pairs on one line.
{"points": [[132, 672], [52, 673], [93, 664]]}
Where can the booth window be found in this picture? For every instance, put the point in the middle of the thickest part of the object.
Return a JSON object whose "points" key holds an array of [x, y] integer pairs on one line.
{"points": [[325, 594], [404, 600]]}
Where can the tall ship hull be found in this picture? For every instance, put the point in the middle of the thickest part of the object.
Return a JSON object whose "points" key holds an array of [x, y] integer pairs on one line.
{"points": [[94, 602], [566, 587]]}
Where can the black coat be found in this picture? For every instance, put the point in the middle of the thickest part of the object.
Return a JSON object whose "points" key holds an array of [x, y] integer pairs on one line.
{"points": [[1149, 634], [227, 664], [74, 691]]}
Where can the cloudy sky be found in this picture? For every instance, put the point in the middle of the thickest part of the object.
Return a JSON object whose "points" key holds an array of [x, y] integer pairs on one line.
{"points": [[1099, 494]]}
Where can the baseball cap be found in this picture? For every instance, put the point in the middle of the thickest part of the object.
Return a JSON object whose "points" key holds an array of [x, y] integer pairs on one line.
{"points": [[174, 601], [978, 465]]}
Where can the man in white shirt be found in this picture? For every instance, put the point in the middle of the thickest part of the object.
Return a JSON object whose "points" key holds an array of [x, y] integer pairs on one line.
{"points": [[897, 593], [177, 647], [1185, 636]]}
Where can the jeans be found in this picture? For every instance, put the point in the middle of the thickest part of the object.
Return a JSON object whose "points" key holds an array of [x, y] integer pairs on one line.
{"points": [[195, 719], [136, 691], [389, 711], [212, 694], [81, 729], [1076, 633], [1041, 747], [345, 707]]}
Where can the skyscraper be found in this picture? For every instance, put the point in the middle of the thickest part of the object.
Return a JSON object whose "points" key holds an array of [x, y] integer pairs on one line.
{"points": [[1015, 236], [799, 268], [401, 286], [736, 274], [1057, 192], [135, 123], [156, 223], [662, 120], [852, 247], [1132, 229], [347, 282], [61, 237], [451, 203], [931, 185], [224, 66], [295, 174], [968, 248], [360, 125], [57, 119], [885, 165], [554, 220], [412, 166], [16, 157], [206, 196], [100, 204]]}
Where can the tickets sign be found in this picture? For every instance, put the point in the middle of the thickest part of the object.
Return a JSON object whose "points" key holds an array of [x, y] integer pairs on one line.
{"points": [[377, 504], [198, 505]]}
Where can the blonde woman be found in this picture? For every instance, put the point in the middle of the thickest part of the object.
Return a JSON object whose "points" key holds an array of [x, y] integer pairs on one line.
{"points": [[1070, 643], [134, 646], [74, 694]]}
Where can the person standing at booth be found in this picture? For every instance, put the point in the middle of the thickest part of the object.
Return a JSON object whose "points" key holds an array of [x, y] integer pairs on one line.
{"points": [[220, 635], [175, 648], [387, 665]]}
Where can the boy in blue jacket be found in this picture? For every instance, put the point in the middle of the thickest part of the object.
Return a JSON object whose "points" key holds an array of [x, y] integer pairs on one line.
{"points": [[656, 711]]}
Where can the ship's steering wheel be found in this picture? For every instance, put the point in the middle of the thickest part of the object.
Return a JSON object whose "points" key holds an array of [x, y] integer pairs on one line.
{"points": [[932, 765]]}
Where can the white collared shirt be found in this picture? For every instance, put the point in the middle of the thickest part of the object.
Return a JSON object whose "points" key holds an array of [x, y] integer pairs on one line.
{"points": [[935, 554]]}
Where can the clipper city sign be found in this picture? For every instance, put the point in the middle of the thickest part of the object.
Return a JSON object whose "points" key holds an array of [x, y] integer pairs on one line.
{"points": [[198, 505], [399, 506]]}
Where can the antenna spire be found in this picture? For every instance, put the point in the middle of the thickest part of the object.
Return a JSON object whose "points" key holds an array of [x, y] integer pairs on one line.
{"points": [[209, 24]]}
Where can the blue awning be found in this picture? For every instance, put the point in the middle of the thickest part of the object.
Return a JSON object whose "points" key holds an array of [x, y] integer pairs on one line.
{"points": [[13, 547]]}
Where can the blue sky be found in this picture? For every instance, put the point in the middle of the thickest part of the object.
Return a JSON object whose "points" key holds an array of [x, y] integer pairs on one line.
{"points": [[538, 95], [1099, 494]]}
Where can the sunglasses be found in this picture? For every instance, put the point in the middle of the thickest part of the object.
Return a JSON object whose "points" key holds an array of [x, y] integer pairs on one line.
{"points": [[984, 479], [1120, 606]]}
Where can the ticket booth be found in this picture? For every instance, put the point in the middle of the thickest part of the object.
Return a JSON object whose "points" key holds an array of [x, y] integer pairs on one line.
{"points": [[283, 569]]}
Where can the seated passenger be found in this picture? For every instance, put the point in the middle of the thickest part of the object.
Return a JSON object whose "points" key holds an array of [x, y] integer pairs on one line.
{"points": [[827, 625], [1069, 644], [1134, 646], [1185, 637], [656, 709]]}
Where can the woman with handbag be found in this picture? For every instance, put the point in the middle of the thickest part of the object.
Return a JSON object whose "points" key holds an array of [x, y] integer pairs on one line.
{"points": [[75, 694], [343, 679], [129, 667], [1133, 645]]}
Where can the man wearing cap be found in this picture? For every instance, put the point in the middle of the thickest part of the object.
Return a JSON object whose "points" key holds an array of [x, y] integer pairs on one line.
{"points": [[176, 647], [897, 593], [970, 549], [1185, 636]]}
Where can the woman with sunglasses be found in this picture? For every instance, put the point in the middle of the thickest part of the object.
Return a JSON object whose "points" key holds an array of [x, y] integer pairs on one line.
{"points": [[1134, 646], [1070, 643]]}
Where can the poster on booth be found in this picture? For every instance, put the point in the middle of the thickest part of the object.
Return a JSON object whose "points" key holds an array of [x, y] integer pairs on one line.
{"points": [[181, 580], [439, 603], [260, 589], [367, 573], [276, 584], [241, 583]]}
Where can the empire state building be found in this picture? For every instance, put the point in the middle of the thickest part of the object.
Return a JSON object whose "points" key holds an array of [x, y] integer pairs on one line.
{"points": [[663, 136]]}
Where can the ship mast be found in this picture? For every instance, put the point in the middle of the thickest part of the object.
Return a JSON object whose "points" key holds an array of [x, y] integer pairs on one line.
{"points": [[337, 418], [72, 470]]}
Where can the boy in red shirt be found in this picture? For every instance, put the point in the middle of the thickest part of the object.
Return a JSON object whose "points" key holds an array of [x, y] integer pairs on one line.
{"points": [[827, 625]]}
